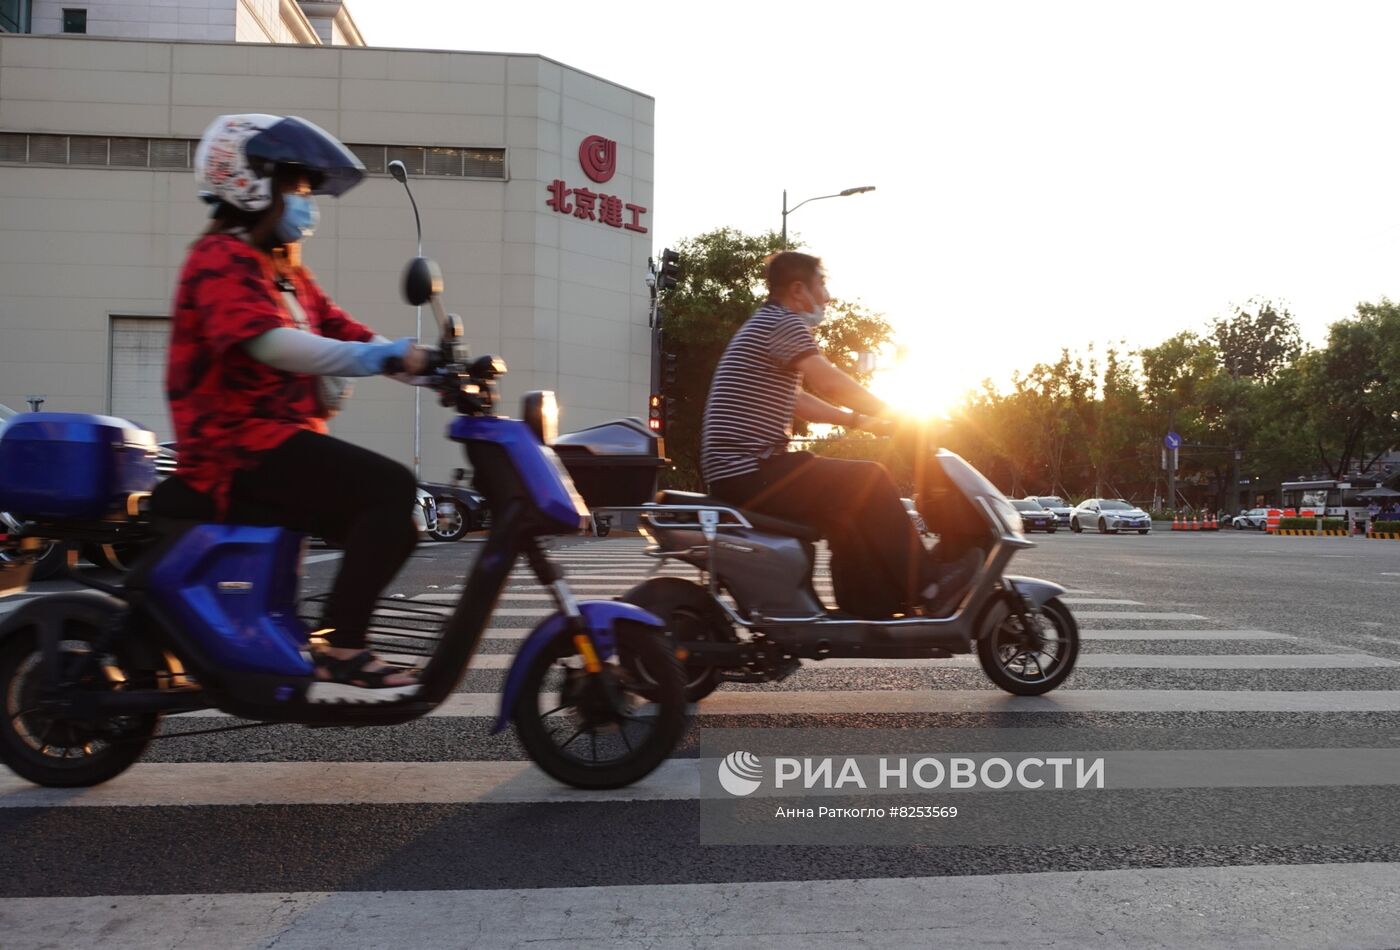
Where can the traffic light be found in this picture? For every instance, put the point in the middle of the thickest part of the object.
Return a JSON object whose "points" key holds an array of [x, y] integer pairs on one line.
{"points": [[670, 270], [656, 413], [669, 368]]}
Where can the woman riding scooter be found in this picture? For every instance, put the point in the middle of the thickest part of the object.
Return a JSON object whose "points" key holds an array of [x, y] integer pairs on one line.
{"points": [[255, 351]]}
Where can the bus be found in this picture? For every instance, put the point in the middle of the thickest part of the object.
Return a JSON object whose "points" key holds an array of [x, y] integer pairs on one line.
{"points": [[1329, 497]]}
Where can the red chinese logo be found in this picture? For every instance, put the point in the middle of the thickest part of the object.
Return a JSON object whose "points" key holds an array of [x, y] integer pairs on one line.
{"points": [[591, 206], [598, 156]]}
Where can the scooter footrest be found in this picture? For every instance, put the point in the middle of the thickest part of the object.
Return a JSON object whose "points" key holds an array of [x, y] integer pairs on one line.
{"points": [[398, 625]]}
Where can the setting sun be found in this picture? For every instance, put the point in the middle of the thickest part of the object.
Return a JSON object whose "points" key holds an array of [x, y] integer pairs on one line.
{"points": [[920, 384]]}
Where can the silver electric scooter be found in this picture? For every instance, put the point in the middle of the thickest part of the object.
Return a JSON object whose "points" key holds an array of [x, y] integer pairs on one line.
{"points": [[753, 612]]}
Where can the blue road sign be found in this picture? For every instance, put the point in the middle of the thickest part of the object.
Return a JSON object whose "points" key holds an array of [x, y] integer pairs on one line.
{"points": [[1172, 440]]}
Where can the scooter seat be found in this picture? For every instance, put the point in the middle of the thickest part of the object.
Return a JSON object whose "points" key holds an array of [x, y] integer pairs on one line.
{"points": [[761, 522]]}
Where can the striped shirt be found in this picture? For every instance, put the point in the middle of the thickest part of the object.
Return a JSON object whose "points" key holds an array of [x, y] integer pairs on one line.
{"points": [[748, 415]]}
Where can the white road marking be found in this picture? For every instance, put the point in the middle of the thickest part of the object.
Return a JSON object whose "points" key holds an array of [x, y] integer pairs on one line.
{"points": [[1133, 615], [1200, 907], [904, 702], [164, 785], [1093, 661], [520, 633], [1183, 635], [1135, 661]]}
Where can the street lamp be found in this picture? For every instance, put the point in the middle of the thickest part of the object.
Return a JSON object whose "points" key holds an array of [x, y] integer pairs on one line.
{"points": [[839, 194]]}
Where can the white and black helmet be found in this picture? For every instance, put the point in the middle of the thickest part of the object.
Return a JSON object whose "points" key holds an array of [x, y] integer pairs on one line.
{"points": [[238, 154]]}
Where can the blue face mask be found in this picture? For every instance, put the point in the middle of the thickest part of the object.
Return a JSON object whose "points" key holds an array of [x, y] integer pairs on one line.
{"points": [[299, 218]]}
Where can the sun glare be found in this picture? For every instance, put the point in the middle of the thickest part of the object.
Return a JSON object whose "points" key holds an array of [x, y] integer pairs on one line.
{"points": [[916, 389]]}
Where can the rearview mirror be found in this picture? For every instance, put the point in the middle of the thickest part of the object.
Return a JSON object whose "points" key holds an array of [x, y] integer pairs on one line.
{"points": [[421, 281]]}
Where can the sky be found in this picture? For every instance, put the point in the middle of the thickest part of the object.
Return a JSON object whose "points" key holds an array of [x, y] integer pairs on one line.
{"points": [[1047, 174]]}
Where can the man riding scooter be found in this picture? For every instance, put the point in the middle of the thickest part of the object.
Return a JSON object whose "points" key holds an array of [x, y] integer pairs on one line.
{"points": [[773, 370]]}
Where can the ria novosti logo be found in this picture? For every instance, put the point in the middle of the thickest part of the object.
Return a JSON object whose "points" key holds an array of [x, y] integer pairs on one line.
{"points": [[740, 773]]}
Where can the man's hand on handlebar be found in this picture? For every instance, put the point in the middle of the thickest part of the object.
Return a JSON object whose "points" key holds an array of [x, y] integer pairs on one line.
{"points": [[877, 425]]}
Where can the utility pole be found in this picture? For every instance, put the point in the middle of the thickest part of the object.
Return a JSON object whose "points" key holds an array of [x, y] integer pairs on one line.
{"points": [[1235, 486]]}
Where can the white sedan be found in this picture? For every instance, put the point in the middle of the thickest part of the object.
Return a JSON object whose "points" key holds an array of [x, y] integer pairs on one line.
{"points": [[1257, 518], [1109, 516]]}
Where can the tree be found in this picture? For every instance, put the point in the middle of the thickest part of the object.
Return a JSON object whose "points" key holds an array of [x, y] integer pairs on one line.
{"points": [[1257, 341], [720, 287], [1351, 389], [1120, 449]]}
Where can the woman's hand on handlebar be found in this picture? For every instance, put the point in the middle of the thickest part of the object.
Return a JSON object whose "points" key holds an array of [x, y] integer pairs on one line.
{"points": [[418, 360], [415, 361]]}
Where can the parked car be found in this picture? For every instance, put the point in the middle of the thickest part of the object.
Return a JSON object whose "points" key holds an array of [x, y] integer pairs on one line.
{"points": [[1257, 518], [425, 514], [1056, 505], [460, 509], [1034, 517], [1109, 516], [914, 515]]}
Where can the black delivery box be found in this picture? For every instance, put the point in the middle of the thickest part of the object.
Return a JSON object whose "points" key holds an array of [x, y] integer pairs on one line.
{"points": [[614, 464]]}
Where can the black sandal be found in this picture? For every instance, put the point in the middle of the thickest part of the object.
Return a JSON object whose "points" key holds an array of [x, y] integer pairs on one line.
{"points": [[351, 671]]}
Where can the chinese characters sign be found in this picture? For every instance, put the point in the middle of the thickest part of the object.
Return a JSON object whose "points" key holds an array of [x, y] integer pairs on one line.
{"points": [[598, 158]]}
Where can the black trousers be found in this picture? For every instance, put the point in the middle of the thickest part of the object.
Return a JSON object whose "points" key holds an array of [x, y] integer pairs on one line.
{"points": [[347, 495], [878, 563]]}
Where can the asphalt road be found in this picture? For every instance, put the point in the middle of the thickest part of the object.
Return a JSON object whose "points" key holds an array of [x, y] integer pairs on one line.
{"points": [[1244, 689]]}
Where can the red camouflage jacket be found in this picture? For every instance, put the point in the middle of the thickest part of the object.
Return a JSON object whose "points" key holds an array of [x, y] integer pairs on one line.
{"points": [[228, 408]]}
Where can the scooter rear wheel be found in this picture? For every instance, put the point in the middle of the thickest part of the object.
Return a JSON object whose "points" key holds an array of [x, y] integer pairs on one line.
{"points": [[1031, 662], [606, 729], [43, 746], [690, 614]]}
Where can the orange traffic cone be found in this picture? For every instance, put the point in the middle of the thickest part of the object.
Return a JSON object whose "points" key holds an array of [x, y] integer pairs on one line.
{"points": [[1195, 524]]}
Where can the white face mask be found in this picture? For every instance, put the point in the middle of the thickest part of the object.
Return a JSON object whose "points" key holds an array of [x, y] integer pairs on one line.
{"points": [[817, 315]]}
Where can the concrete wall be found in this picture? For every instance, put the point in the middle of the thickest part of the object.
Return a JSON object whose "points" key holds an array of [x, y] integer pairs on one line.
{"points": [[563, 300]]}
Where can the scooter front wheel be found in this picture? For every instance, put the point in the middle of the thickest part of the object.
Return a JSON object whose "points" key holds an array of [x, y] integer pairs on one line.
{"points": [[1029, 662], [605, 729], [37, 741]]}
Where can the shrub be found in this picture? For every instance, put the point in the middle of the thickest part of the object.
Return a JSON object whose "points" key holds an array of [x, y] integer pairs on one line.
{"points": [[1386, 527]]}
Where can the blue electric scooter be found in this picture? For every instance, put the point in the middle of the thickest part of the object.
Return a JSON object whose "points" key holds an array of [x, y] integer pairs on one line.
{"points": [[208, 619]]}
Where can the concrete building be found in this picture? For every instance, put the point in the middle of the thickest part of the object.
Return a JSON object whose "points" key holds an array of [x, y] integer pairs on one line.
{"points": [[310, 22], [534, 179]]}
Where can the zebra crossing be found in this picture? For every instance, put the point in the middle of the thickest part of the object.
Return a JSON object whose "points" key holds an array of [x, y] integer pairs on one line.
{"points": [[436, 833]]}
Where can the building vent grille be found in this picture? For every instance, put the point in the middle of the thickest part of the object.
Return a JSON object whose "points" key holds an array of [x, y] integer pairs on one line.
{"points": [[129, 153], [19, 148], [372, 157], [444, 162], [87, 149], [48, 149], [13, 148], [170, 153]]}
